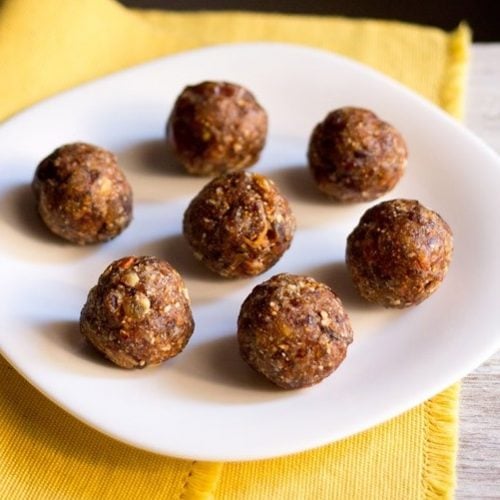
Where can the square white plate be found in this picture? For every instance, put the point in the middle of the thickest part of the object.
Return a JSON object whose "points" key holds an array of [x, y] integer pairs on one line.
{"points": [[206, 403]]}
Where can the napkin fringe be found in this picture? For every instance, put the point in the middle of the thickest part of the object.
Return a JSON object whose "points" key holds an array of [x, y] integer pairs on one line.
{"points": [[455, 74], [201, 481], [438, 476]]}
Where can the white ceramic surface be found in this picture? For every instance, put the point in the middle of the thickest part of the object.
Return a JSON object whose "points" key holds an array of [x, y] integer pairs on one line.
{"points": [[206, 404]]}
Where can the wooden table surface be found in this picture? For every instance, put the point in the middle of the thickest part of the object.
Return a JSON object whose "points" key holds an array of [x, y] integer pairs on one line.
{"points": [[478, 466]]}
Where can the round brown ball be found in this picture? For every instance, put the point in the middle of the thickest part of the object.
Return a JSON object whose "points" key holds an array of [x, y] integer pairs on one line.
{"points": [[217, 127], [399, 253], [354, 156], [239, 224], [139, 312], [293, 330], [82, 195]]}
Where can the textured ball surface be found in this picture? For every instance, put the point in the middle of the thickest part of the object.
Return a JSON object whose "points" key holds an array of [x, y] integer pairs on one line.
{"points": [[354, 156], [139, 313], [239, 224], [293, 330], [82, 195], [216, 127], [399, 253]]}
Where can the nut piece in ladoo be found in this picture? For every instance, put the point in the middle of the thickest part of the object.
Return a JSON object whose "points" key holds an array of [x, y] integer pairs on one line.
{"points": [[239, 224], [216, 127], [354, 156], [139, 313], [293, 330], [82, 195], [399, 253]]}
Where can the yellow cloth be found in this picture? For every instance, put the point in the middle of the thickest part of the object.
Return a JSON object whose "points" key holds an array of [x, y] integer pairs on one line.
{"points": [[50, 45]]}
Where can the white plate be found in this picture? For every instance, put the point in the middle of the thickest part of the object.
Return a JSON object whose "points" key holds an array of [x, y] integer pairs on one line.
{"points": [[206, 404]]}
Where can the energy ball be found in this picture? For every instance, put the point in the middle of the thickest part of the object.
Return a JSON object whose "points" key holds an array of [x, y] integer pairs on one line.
{"points": [[139, 313], [399, 253], [354, 156], [239, 225], [216, 127], [82, 195], [293, 330]]}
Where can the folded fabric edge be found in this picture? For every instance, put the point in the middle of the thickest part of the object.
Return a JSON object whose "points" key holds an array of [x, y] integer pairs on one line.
{"points": [[440, 447], [153, 16], [201, 480], [439, 454], [454, 81], [441, 411]]}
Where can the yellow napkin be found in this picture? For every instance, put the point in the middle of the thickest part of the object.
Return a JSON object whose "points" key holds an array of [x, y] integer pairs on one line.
{"points": [[47, 46]]}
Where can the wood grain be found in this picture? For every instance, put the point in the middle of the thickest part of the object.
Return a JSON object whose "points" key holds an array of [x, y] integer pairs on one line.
{"points": [[478, 467]]}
